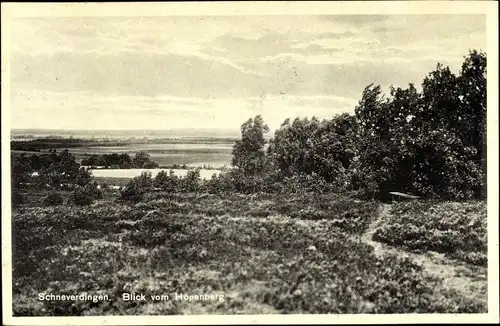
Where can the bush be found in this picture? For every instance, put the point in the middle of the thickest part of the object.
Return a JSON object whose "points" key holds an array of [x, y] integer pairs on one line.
{"points": [[82, 197], [53, 199], [304, 183], [83, 177], [191, 182], [167, 182], [92, 189], [238, 181], [137, 187], [87, 194], [219, 184]]}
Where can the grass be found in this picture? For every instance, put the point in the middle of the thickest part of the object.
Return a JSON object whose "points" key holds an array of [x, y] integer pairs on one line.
{"points": [[457, 229], [264, 253]]}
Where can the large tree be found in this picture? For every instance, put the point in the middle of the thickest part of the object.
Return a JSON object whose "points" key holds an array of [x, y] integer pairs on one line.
{"points": [[291, 146], [431, 143], [248, 152]]}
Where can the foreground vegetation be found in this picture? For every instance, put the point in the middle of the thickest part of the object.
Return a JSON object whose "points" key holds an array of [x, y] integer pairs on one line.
{"points": [[457, 229], [265, 254]]}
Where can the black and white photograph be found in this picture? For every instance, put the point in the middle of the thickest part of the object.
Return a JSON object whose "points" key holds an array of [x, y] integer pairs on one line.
{"points": [[335, 162]]}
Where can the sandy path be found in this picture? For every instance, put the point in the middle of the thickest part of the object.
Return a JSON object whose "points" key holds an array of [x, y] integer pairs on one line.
{"points": [[467, 279]]}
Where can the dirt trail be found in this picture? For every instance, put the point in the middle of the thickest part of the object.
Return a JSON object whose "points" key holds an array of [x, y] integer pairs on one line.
{"points": [[467, 279]]}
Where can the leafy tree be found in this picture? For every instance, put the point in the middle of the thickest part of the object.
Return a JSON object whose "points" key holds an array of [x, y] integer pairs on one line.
{"points": [[291, 146], [452, 126], [431, 143], [472, 85], [374, 166], [66, 165], [248, 153], [125, 162], [140, 159], [332, 150]]}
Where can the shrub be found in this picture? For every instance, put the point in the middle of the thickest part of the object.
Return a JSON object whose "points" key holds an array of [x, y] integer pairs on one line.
{"points": [[82, 197], [246, 183], [304, 183], [83, 177], [219, 184], [167, 182], [53, 199], [137, 187], [132, 192], [191, 182], [93, 190], [87, 194]]}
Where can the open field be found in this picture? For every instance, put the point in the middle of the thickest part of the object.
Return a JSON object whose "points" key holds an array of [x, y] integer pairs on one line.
{"points": [[263, 253]]}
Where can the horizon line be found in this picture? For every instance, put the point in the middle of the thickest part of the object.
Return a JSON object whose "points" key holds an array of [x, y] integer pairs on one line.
{"points": [[166, 129]]}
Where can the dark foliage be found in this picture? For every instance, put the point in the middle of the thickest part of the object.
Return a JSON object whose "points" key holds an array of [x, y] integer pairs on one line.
{"points": [[53, 199], [121, 161], [86, 195]]}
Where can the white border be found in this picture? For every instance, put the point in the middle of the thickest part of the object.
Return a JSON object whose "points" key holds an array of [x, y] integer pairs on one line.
{"points": [[489, 8]]}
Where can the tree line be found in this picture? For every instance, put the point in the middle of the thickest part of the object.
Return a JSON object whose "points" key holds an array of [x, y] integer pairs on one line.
{"points": [[120, 161], [52, 171], [430, 143]]}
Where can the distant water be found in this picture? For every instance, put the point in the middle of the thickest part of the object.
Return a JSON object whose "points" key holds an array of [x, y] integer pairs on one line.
{"points": [[126, 134]]}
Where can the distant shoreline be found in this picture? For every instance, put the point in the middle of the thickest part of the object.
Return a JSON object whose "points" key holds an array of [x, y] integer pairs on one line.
{"points": [[186, 133], [181, 134]]}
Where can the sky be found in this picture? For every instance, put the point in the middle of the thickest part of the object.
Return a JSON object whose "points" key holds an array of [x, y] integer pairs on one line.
{"points": [[216, 72]]}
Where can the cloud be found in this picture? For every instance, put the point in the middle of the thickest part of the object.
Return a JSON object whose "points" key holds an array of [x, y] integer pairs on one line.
{"points": [[133, 73], [221, 70], [86, 110]]}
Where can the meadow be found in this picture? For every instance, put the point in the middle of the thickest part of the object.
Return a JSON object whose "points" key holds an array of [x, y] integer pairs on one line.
{"points": [[265, 254]]}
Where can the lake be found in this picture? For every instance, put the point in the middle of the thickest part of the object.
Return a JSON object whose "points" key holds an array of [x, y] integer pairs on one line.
{"points": [[131, 173]]}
